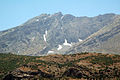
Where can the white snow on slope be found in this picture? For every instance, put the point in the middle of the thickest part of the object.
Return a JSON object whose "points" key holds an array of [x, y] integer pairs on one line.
{"points": [[44, 47], [33, 38], [62, 17], [44, 36], [66, 43], [80, 40], [61, 28], [59, 47], [37, 19], [49, 52], [46, 32]]}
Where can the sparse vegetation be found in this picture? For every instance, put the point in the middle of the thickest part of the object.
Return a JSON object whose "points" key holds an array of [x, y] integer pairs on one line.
{"points": [[102, 60], [91, 65]]}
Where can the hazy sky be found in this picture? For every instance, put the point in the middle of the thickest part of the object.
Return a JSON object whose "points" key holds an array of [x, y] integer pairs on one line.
{"points": [[16, 12]]}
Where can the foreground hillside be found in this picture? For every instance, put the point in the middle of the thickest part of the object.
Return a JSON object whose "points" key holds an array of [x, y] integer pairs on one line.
{"points": [[64, 67]]}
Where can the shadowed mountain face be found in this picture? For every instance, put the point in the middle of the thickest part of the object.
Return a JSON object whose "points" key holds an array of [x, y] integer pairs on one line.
{"points": [[106, 40], [47, 33]]}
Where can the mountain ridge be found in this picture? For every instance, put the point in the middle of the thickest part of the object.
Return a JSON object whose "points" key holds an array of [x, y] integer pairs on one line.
{"points": [[46, 32], [105, 40]]}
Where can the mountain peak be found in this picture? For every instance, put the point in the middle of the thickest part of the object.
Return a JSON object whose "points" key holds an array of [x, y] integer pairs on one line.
{"points": [[107, 14], [58, 14], [44, 14]]}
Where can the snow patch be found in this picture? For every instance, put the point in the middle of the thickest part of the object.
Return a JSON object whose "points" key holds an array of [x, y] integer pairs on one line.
{"points": [[44, 36], [62, 17], [66, 43], [44, 47], [61, 28], [37, 19], [59, 47], [46, 32], [80, 40], [33, 38], [49, 52]]}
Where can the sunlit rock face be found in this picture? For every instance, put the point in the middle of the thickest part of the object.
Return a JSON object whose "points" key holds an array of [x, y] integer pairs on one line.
{"points": [[106, 40], [47, 32]]}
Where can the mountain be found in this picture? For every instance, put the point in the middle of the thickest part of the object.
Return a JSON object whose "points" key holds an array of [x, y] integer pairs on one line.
{"points": [[106, 40], [80, 66], [46, 34]]}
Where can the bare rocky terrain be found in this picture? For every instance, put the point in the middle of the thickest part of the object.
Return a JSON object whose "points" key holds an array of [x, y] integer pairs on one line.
{"points": [[106, 40], [51, 33]]}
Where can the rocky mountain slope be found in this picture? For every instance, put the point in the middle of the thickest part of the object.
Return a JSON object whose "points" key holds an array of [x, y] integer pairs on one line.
{"points": [[106, 40], [80, 66], [46, 34]]}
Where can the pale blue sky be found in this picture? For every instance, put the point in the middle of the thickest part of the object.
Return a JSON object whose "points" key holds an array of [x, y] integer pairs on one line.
{"points": [[16, 12]]}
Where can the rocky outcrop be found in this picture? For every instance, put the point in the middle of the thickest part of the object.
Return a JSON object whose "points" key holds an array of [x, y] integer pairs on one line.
{"points": [[108, 73], [9, 77], [18, 74]]}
